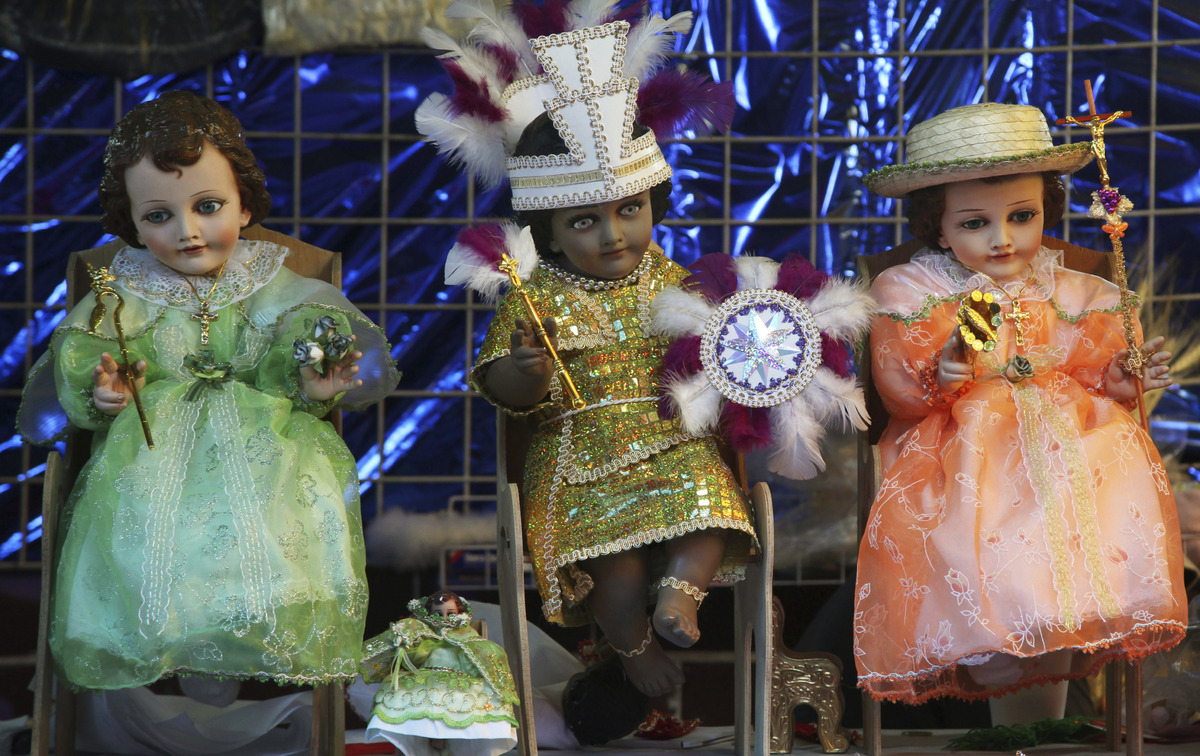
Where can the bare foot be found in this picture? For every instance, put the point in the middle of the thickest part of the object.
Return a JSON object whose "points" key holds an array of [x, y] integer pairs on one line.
{"points": [[675, 617], [652, 672]]}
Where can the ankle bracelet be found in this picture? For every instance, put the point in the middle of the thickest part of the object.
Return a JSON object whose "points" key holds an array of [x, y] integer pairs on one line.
{"points": [[685, 586], [640, 649]]}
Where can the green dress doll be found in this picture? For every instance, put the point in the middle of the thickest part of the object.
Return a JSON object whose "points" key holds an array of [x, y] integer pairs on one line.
{"points": [[444, 688], [232, 547]]}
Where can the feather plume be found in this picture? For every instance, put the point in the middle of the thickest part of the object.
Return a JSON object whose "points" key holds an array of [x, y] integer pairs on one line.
{"points": [[696, 402], [674, 312], [498, 28], [756, 272], [467, 140], [585, 13], [837, 401], [472, 96], [713, 277], [747, 428], [651, 41], [492, 64], [673, 102], [843, 309], [682, 358], [836, 356], [474, 259], [542, 20], [521, 248], [436, 39], [798, 434], [798, 277]]}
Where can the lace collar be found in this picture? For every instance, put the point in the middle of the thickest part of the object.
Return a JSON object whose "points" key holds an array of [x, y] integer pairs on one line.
{"points": [[251, 266], [949, 275]]}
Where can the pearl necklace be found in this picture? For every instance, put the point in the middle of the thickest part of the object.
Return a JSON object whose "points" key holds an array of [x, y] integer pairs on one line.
{"points": [[598, 284]]}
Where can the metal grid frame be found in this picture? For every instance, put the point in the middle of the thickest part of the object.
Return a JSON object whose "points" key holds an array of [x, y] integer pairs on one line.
{"points": [[388, 141]]}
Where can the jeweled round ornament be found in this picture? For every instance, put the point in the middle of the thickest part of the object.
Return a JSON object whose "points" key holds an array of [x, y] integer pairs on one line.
{"points": [[760, 347]]}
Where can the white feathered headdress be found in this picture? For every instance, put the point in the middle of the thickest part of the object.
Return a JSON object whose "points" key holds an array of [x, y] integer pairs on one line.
{"points": [[593, 71], [762, 351]]}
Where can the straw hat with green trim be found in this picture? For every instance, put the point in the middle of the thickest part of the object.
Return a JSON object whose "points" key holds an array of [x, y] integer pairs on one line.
{"points": [[977, 141]]}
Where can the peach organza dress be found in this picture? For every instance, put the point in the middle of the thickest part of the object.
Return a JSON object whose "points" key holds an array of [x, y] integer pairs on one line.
{"points": [[1013, 518]]}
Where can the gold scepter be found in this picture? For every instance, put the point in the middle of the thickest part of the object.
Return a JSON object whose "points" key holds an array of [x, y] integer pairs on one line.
{"points": [[508, 266], [1110, 205], [101, 287]]}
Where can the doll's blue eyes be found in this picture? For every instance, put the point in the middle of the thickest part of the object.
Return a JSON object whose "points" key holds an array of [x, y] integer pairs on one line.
{"points": [[204, 207]]}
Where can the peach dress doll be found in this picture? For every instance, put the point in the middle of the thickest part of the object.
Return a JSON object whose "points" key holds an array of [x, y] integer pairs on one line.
{"points": [[1025, 530]]}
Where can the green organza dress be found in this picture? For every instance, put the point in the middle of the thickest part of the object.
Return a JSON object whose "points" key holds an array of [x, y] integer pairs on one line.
{"points": [[440, 680], [234, 548]]}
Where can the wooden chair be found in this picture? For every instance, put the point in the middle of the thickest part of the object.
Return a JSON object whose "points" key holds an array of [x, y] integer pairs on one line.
{"points": [[329, 714], [869, 475], [753, 637]]}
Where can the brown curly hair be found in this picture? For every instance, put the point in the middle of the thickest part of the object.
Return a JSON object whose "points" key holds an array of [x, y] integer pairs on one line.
{"points": [[172, 130], [442, 597], [541, 138], [927, 205]]}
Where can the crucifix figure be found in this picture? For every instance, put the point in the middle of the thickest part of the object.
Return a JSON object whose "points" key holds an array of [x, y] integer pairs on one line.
{"points": [[205, 317], [1018, 317]]}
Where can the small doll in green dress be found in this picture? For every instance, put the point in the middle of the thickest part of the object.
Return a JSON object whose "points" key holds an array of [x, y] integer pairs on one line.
{"points": [[233, 548], [443, 688], [623, 508]]}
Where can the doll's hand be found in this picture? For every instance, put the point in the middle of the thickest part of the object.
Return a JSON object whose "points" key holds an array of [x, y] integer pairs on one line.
{"points": [[110, 390], [528, 354], [953, 371], [339, 377], [1156, 374]]}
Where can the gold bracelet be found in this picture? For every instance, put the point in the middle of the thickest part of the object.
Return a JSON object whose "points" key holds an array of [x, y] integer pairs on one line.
{"points": [[640, 649], [685, 586]]}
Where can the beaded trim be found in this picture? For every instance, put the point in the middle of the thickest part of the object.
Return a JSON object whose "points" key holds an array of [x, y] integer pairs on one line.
{"points": [[682, 585], [599, 284], [640, 649]]}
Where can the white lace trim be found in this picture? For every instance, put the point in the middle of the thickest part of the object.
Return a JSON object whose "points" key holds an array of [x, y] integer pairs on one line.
{"points": [[944, 269], [251, 266]]}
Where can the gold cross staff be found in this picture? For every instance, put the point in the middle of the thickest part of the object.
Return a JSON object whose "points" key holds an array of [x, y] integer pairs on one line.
{"points": [[102, 287], [1096, 122]]}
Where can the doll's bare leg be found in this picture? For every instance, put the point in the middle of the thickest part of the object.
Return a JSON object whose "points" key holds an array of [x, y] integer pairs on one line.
{"points": [[618, 604], [692, 560]]}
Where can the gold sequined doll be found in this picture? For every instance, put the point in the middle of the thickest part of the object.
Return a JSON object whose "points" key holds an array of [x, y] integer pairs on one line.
{"points": [[623, 508]]}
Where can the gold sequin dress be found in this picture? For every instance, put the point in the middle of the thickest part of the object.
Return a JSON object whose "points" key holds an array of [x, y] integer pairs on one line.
{"points": [[612, 476]]}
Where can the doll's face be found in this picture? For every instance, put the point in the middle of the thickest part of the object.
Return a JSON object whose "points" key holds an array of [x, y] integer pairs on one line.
{"points": [[189, 218], [603, 241], [994, 226], [446, 608]]}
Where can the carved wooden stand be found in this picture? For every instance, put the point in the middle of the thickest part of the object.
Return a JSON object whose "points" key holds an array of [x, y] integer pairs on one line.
{"points": [[814, 679]]}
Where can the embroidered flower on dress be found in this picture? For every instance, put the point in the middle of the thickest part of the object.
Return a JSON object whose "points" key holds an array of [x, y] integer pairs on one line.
{"points": [[330, 528], [221, 543], [294, 543]]}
